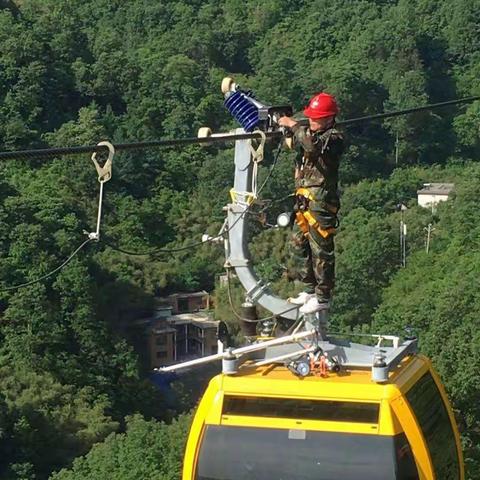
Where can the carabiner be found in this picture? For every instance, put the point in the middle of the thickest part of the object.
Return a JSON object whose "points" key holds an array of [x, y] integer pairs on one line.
{"points": [[105, 172]]}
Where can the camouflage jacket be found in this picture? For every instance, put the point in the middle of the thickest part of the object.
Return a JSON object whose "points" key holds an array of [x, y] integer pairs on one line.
{"points": [[318, 161]]}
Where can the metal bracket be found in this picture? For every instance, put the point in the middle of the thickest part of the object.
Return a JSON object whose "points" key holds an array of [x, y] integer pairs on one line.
{"points": [[396, 355]]}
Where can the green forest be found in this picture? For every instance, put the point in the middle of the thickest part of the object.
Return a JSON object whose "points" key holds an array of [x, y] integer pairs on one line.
{"points": [[75, 399]]}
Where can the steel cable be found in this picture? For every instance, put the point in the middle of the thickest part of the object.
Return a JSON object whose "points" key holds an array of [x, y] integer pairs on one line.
{"points": [[55, 152]]}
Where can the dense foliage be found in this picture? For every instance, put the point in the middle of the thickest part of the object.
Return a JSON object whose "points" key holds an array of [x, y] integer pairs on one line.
{"points": [[146, 450], [76, 72]]}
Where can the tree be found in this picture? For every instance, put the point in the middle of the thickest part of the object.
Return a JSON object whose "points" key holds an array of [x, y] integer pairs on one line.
{"points": [[47, 424]]}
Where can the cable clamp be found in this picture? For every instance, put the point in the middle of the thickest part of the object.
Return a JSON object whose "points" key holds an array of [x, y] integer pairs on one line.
{"points": [[104, 175]]}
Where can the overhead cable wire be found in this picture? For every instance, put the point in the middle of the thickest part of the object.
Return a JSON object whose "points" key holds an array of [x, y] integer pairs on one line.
{"points": [[397, 113], [122, 147], [52, 272], [218, 138]]}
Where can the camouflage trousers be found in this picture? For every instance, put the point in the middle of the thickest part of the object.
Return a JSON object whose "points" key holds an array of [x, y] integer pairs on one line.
{"points": [[312, 246]]}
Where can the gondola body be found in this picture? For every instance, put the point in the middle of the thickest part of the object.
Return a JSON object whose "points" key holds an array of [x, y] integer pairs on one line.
{"points": [[265, 423]]}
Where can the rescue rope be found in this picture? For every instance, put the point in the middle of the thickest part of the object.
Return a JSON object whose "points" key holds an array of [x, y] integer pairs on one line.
{"points": [[104, 175]]}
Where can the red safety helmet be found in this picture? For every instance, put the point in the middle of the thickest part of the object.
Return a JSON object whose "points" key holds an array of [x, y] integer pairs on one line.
{"points": [[321, 105]]}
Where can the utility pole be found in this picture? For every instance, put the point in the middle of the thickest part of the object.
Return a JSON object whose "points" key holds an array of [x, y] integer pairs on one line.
{"points": [[403, 235], [429, 230]]}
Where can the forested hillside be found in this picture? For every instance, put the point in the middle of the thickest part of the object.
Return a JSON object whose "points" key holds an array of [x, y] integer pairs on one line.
{"points": [[76, 72]]}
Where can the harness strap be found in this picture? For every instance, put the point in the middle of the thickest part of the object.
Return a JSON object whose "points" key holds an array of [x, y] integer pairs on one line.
{"points": [[305, 220]]}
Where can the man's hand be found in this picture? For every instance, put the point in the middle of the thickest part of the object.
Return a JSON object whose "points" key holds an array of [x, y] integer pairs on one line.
{"points": [[288, 122]]}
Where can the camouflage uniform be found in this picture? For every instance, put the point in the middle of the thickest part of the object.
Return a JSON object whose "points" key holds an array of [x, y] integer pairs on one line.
{"points": [[316, 181]]}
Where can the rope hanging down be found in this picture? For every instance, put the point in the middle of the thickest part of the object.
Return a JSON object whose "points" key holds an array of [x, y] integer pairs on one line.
{"points": [[257, 157], [104, 175], [56, 152]]}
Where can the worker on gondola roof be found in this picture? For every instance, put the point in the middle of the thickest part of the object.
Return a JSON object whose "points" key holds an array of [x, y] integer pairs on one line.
{"points": [[317, 201]]}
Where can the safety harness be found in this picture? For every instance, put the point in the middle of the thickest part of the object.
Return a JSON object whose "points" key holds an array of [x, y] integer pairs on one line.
{"points": [[304, 217]]}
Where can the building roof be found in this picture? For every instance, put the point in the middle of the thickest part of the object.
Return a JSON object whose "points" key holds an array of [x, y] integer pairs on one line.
{"points": [[436, 189], [199, 319]]}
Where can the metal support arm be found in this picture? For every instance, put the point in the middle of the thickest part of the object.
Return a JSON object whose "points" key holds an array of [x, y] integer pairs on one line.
{"points": [[238, 256]]}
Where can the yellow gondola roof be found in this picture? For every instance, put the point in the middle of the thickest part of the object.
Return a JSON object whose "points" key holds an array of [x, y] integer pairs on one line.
{"points": [[273, 380]]}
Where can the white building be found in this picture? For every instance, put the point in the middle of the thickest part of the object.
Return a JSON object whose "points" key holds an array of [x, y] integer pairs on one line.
{"points": [[433, 193]]}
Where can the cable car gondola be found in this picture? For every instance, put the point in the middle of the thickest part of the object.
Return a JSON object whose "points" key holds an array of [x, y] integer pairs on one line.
{"points": [[266, 423]]}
